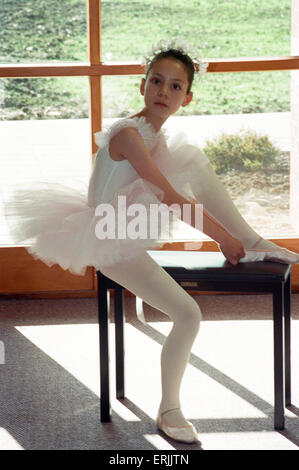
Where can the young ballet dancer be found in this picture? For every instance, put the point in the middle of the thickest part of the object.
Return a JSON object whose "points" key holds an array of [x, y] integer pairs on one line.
{"points": [[137, 164]]}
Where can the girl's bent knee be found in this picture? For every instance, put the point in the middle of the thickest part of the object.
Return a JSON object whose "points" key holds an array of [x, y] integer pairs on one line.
{"points": [[191, 318], [197, 316]]}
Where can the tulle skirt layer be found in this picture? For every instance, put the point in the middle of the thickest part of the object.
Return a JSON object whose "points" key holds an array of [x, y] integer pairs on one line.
{"points": [[56, 225]]}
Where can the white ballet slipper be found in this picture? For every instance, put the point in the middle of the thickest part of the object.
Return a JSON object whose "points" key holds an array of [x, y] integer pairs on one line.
{"points": [[186, 434], [279, 255]]}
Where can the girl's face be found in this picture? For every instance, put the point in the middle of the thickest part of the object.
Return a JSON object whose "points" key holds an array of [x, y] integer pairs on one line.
{"points": [[165, 89]]}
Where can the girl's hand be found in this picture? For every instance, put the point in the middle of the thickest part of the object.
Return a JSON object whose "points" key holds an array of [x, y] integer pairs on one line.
{"points": [[232, 249]]}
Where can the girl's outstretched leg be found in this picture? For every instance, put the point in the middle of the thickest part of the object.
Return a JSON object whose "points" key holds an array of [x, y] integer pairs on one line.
{"points": [[146, 279], [210, 192]]}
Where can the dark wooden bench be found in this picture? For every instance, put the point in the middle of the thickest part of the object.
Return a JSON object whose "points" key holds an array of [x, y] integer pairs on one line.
{"points": [[206, 271]]}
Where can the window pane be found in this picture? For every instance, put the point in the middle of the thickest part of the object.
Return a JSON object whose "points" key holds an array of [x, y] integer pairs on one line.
{"points": [[250, 114], [121, 96], [44, 98], [34, 149], [231, 28], [43, 30]]}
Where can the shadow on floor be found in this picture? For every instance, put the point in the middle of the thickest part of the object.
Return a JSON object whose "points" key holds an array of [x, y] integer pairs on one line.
{"points": [[43, 406]]}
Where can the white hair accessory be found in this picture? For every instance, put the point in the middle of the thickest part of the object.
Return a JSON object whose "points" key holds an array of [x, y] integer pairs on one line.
{"points": [[200, 67]]}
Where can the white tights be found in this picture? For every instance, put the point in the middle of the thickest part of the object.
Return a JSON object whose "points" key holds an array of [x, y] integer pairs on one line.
{"points": [[210, 192], [215, 199], [147, 280]]}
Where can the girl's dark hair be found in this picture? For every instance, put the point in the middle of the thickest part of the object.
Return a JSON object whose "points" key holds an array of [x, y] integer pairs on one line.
{"points": [[177, 55]]}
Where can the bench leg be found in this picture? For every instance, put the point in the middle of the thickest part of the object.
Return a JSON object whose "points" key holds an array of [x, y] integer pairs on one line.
{"points": [[279, 388], [103, 312], [287, 326], [119, 342]]}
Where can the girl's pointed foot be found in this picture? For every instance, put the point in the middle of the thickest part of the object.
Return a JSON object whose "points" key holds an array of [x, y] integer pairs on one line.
{"points": [[185, 433], [265, 250]]}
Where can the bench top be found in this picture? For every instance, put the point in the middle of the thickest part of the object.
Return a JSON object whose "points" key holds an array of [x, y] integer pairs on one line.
{"points": [[214, 266]]}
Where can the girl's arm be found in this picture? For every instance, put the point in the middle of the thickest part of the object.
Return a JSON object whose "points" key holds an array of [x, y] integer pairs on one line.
{"points": [[129, 144]]}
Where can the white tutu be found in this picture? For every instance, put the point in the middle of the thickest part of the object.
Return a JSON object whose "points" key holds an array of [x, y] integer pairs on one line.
{"points": [[61, 225]]}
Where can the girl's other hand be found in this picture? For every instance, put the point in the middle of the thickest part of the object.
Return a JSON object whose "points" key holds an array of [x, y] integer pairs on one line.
{"points": [[233, 250]]}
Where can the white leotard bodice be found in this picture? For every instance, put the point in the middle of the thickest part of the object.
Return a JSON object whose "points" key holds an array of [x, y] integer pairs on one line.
{"points": [[109, 175]]}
